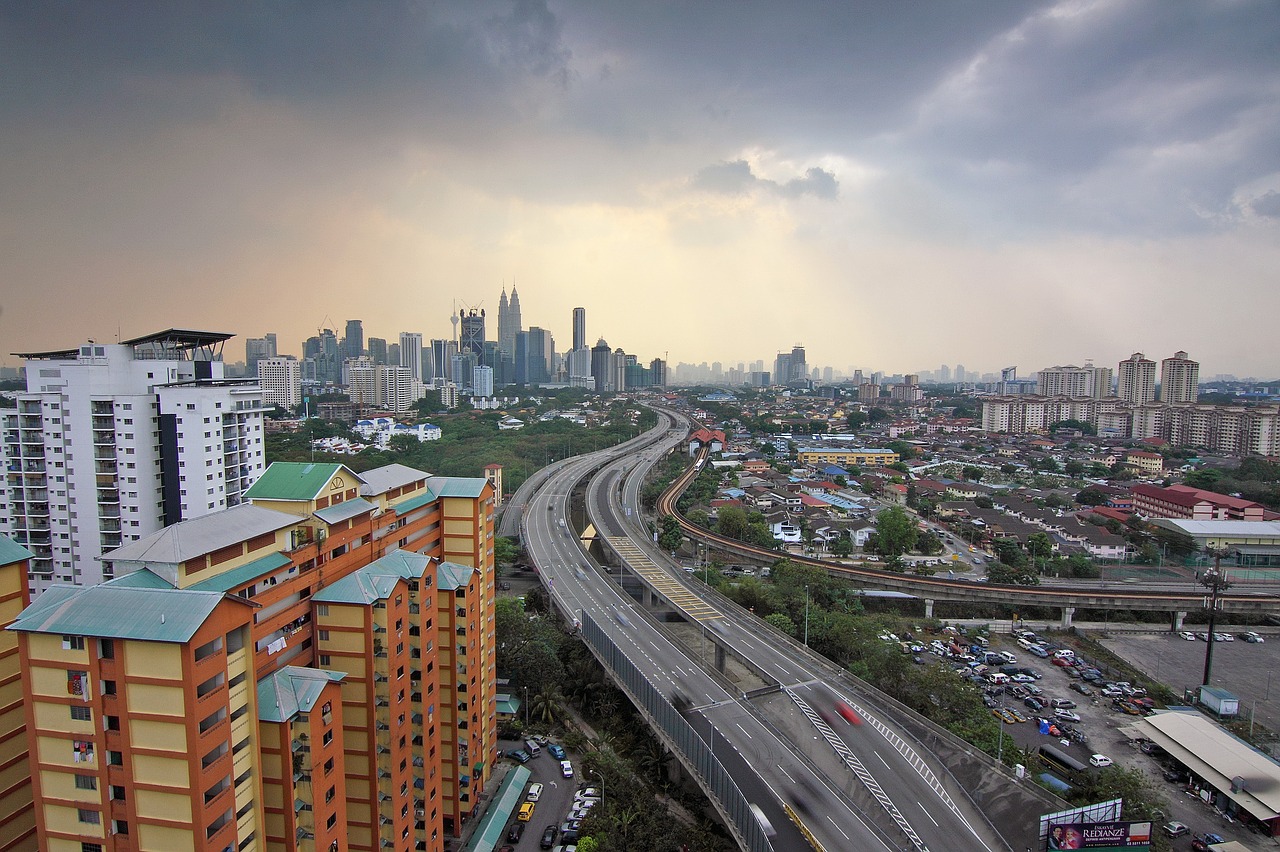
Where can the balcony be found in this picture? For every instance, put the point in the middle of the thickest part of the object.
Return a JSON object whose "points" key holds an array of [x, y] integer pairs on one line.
{"points": [[106, 495]]}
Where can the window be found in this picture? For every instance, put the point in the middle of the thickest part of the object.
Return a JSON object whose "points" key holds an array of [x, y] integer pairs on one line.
{"points": [[108, 687], [81, 714], [331, 821], [106, 649], [328, 737], [328, 766], [90, 847], [73, 643], [322, 609], [89, 816], [329, 794], [86, 782]]}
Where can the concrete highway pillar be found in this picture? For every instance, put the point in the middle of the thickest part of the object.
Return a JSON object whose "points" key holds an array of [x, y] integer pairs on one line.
{"points": [[1177, 620], [1067, 613], [646, 597], [720, 658], [928, 608]]}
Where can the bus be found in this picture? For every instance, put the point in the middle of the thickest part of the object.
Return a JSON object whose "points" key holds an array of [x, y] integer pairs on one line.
{"points": [[1058, 759]]}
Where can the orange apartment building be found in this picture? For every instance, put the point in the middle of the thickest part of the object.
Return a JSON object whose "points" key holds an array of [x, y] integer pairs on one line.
{"points": [[345, 658], [17, 811]]}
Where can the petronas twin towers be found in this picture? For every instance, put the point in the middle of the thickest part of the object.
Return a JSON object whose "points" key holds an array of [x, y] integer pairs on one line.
{"points": [[509, 326]]}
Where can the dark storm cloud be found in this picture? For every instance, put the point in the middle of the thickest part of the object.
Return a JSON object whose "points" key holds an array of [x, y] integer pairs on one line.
{"points": [[737, 178], [1138, 116]]}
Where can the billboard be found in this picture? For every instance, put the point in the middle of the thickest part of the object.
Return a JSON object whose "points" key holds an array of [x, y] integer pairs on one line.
{"points": [[1101, 836]]}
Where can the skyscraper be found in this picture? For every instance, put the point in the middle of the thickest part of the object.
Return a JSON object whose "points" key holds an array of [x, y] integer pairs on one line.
{"points": [[353, 342], [1179, 379], [378, 350], [411, 353], [1137, 379], [114, 442], [579, 328], [257, 348], [472, 339], [509, 322], [600, 359]]}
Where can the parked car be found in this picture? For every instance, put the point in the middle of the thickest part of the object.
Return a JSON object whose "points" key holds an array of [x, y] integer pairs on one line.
{"points": [[1100, 760], [515, 832], [535, 792], [1190, 637], [526, 812], [1067, 715], [549, 835], [1033, 704], [519, 755], [1202, 843], [1175, 829], [1253, 637], [1081, 688], [556, 751], [566, 769]]}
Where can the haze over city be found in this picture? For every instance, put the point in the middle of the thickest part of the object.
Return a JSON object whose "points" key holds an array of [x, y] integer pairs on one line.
{"points": [[893, 186]]}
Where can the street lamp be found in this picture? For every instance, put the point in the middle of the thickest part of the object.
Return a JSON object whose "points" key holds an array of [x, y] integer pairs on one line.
{"points": [[601, 777], [1214, 580], [526, 706]]}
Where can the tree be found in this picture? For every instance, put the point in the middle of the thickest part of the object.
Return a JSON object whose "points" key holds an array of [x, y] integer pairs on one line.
{"points": [[783, 622], [1008, 469], [1039, 546], [929, 544], [505, 550], [842, 546], [856, 420], [982, 501], [699, 518], [896, 533], [1074, 467], [971, 473], [1091, 496], [1056, 501], [878, 415], [670, 536], [731, 521]]}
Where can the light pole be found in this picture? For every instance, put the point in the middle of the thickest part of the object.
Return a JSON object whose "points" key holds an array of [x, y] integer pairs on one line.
{"points": [[601, 777], [1213, 579], [1000, 743], [526, 706]]}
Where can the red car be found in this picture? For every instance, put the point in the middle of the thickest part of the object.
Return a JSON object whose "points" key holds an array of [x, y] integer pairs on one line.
{"points": [[848, 713]]}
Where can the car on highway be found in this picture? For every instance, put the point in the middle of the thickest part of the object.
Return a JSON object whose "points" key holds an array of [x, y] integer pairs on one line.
{"points": [[535, 792], [1100, 760], [566, 769], [848, 713]]}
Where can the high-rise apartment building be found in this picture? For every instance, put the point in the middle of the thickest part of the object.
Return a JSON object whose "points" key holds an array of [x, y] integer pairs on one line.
{"points": [[1136, 379], [313, 670], [411, 353], [257, 348], [1179, 379], [17, 806], [378, 350], [442, 352], [1087, 381], [482, 381], [111, 442], [281, 381]]}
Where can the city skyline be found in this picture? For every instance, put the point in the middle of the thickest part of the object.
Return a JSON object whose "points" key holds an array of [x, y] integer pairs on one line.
{"points": [[1042, 180]]}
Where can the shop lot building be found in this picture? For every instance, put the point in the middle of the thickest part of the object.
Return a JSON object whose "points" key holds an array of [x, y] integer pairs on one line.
{"points": [[310, 670]]}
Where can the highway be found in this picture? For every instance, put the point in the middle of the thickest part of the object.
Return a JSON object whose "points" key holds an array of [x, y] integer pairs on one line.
{"points": [[865, 787]]}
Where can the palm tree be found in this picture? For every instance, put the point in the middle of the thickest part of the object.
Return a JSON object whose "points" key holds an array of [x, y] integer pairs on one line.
{"points": [[546, 705]]}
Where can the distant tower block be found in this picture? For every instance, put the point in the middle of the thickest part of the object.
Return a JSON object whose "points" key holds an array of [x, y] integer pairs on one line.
{"points": [[493, 475]]}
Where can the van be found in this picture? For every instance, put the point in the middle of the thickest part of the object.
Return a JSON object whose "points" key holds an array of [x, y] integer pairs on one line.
{"points": [[1038, 651], [1065, 654], [532, 747], [997, 678], [1008, 658], [982, 640]]}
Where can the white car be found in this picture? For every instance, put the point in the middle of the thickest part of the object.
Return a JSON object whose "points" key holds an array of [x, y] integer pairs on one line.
{"points": [[566, 769], [1100, 760], [535, 793], [1188, 635], [1067, 715]]}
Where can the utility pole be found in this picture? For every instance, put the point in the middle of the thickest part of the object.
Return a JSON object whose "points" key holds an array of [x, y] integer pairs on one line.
{"points": [[1216, 583], [806, 616]]}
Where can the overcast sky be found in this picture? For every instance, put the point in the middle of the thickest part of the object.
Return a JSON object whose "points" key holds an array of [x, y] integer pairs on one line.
{"points": [[894, 185]]}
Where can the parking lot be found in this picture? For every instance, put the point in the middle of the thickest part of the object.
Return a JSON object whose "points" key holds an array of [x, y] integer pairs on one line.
{"points": [[552, 806]]}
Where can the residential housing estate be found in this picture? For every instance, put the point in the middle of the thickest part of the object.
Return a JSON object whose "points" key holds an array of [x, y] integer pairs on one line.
{"points": [[310, 670]]}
